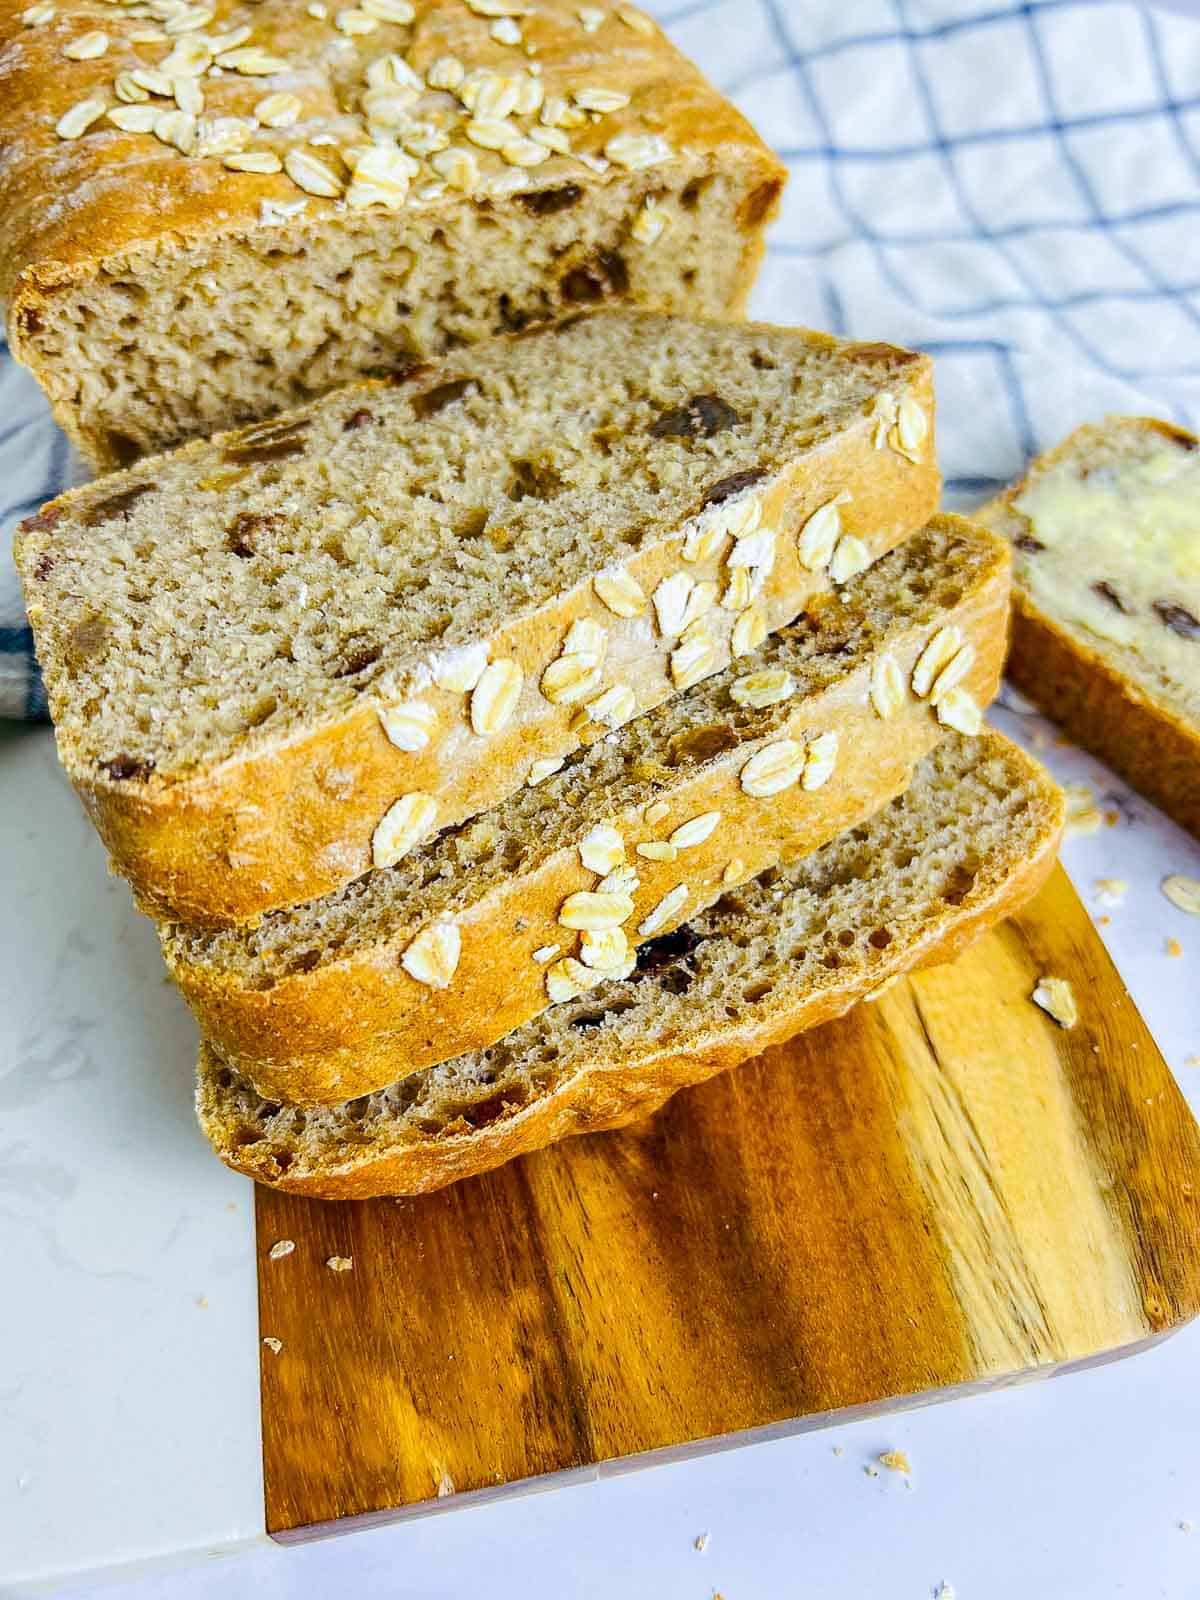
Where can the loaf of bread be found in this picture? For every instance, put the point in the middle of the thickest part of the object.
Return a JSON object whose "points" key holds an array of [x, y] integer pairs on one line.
{"points": [[969, 842], [1106, 629], [212, 211], [550, 893], [285, 655]]}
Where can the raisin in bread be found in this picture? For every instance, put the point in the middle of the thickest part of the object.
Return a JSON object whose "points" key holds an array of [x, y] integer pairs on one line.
{"points": [[550, 893], [1106, 630], [279, 657], [213, 212], [971, 840]]}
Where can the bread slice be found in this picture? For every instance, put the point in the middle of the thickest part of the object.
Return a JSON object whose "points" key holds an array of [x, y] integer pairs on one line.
{"points": [[465, 939], [255, 647], [1106, 632], [362, 187], [970, 841]]}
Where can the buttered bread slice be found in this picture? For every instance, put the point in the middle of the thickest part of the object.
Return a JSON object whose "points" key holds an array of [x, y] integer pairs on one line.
{"points": [[550, 894], [280, 657], [969, 842], [1106, 633]]}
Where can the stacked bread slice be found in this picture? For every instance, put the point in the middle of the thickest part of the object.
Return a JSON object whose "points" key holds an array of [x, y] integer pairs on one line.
{"points": [[502, 749]]}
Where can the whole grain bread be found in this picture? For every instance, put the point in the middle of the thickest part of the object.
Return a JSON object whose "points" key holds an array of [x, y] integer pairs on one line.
{"points": [[479, 930], [212, 212], [282, 656], [971, 840], [1105, 532]]}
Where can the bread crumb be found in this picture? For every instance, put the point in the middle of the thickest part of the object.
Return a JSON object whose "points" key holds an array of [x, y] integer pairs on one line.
{"points": [[1111, 818], [944, 1591], [839, 1449], [894, 1461], [445, 1484], [281, 1248], [871, 1470], [1057, 999], [1191, 1061], [1174, 948], [273, 1345], [340, 1263], [701, 1542], [1103, 920], [1083, 815], [202, 1302], [1111, 891], [1185, 1526]]}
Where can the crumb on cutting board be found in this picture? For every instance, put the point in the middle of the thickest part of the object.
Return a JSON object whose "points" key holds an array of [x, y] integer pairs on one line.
{"points": [[1057, 999]]}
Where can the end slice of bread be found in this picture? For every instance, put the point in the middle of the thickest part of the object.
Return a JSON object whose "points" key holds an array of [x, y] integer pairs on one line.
{"points": [[972, 838], [255, 647], [478, 931], [1105, 532]]}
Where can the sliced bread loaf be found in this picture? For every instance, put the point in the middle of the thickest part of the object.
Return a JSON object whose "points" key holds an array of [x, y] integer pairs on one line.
{"points": [[1106, 632], [549, 893], [212, 219], [973, 837], [281, 656]]}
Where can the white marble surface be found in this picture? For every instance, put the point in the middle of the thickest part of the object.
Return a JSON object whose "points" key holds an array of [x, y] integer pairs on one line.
{"points": [[128, 1340], [128, 1366]]}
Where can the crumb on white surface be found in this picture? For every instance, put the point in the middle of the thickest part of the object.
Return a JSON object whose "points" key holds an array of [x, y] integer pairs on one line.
{"points": [[894, 1461], [1083, 814], [700, 1542], [1111, 891], [839, 1449], [871, 1470]]}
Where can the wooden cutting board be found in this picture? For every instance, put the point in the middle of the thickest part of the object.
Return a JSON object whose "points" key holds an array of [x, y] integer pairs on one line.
{"points": [[944, 1190]]}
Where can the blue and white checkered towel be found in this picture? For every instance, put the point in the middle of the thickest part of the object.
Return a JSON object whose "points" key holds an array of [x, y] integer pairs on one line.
{"points": [[1015, 188]]}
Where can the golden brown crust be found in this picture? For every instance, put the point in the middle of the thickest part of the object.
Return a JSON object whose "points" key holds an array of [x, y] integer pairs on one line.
{"points": [[339, 1030], [277, 826], [1153, 748], [636, 1083], [109, 201]]}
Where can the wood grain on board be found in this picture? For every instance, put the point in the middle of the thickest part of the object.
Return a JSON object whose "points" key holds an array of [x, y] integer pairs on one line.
{"points": [[943, 1189]]}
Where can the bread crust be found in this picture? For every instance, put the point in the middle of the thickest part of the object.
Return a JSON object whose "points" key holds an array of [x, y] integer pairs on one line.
{"points": [[1152, 748], [1098, 705], [111, 203], [283, 823], [339, 1030], [609, 1093]]}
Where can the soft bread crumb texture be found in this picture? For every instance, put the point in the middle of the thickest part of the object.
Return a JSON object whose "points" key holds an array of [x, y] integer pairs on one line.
{"points": [[1106, 543], [1106, 601], [976, 818], [704, 727], [211, 602], [337, 190], [173, 343]]}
